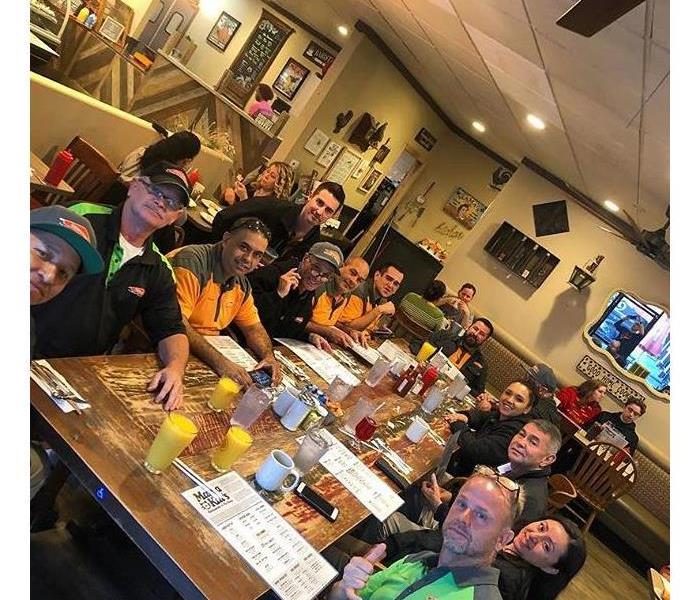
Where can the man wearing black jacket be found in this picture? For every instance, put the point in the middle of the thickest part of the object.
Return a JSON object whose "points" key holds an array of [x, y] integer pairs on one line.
{"points": [[294, 228], [284, 292], [624, 421]]}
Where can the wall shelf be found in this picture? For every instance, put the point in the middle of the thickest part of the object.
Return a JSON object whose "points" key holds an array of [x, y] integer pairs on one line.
{"points": [[522, 255]]}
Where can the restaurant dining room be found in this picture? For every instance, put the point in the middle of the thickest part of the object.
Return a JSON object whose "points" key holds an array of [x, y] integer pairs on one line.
{"points": [[347, 299]]}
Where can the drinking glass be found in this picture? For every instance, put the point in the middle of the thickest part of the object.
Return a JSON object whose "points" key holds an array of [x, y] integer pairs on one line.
{"points": [[223, 395], [377, 372], [425, 351], [338, 390], [312, 449], [433, 400], [365, 429], [235, 445], [251, 405], [362, 408], [174, 435]]}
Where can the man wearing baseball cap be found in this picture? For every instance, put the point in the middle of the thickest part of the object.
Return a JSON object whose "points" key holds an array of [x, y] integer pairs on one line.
{"points": [[87, 318], [284, 292], [544, 382]]}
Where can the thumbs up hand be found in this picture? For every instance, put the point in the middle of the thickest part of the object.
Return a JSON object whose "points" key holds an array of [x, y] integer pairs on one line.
{"points": [[359, 570]]}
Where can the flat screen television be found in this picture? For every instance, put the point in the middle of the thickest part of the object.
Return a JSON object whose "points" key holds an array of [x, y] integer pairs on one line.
{"points": [[638, 338]]}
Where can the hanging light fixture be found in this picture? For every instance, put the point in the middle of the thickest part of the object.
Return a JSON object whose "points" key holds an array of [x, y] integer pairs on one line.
{"points": [[582, 277]]}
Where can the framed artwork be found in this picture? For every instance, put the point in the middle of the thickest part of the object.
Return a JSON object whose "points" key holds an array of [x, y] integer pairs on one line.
{"points": [[464, 208], [329, 153], [344, 166], [370, 180], [290, 79], [223, 31], [316, 142], [318, 55], [111, 30], [361, 169]]}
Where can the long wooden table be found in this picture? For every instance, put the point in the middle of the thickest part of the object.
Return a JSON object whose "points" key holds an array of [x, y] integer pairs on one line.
{"points": [[105, 447]]}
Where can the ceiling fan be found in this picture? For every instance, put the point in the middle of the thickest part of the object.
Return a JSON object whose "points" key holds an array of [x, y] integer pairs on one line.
{"points": [[588, 17], [650, 243]]}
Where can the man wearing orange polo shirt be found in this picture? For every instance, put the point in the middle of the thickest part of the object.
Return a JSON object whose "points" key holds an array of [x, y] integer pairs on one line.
{"points": [[213, 292], [331, 299]]}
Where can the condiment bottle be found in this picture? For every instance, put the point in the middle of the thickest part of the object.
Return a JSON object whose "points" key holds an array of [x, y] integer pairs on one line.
{"points": [[83, 14], [429, 378], [406, 381], [59, 167], [90, 21]]}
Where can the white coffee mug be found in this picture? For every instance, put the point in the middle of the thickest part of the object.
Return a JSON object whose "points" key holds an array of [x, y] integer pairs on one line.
{"points": [[287, 397], [276, 468], [417, 429]]}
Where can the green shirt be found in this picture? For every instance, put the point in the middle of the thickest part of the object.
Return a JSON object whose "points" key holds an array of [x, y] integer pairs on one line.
{"points": [[421, 311], [418, 577]]}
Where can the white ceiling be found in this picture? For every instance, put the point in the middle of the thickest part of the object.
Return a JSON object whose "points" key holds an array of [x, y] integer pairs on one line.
{"points": [[495, 61]]}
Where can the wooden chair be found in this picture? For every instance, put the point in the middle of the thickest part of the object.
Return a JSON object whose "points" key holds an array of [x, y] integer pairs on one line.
{"points": [[602, 473], [561, 492], [90, 174]]}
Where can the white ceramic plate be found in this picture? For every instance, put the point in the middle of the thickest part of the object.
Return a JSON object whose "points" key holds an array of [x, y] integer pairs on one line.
{"points": [[210, 203], [206, 216]]}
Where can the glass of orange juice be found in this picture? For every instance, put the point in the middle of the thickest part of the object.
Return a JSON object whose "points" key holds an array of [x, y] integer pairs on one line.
{"points": [[174, 435], [235, 444], [223, 395], [425, 351]]}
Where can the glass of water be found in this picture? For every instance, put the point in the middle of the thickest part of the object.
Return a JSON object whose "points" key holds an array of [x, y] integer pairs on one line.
{"points": [[250, 406], [377, 372], [312, 449]]}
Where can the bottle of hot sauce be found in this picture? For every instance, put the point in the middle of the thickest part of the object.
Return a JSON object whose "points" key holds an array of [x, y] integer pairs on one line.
{"points": [[406, 381]]}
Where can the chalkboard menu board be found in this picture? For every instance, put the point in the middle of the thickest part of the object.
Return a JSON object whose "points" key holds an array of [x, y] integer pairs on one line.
{"points": [[260, 49]]}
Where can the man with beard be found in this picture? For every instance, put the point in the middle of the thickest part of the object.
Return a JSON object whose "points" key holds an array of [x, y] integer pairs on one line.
{"points": [[294, 228], [330, 301], [284, 292], [213, 292], [87, 318], [478, 525], [371, 301]]}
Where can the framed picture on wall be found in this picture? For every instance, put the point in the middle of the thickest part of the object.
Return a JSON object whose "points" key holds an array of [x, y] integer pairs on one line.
{"points": [[464, 208], [290, 79], [223, 31], [316, 142], [361, 169], [344, 166], [370, 181], [329, 153], [111, 30], [318, 55]]}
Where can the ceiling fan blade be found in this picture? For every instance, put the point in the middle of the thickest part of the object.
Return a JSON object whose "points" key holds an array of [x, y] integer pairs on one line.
{"points": [[615, 233], [638, 232], [588, 17]]}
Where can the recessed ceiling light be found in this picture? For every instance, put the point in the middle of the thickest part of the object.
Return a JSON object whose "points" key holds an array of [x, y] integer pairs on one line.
{"points": [[478, 126], [536, 122], [342, 30], [610, 205]]}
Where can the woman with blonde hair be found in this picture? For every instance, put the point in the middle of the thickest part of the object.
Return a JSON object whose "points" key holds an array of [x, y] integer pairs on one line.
{"points": [[275, 181]]}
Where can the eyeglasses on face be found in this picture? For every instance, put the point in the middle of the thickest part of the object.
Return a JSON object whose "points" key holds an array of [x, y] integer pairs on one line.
{"points": [[317, 271], [252, 224], [159, 194], [505, 482]]}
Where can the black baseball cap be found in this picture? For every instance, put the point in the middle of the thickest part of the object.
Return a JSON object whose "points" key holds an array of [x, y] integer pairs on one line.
{"points": [[167, 174]]}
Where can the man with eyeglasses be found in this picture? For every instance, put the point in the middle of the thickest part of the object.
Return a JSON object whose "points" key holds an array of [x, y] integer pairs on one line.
{"points": [[284, 292], [372, 300], [87, 318], [478, 525], [294, 228], [330, 301], [624, 422], [214, 293]]}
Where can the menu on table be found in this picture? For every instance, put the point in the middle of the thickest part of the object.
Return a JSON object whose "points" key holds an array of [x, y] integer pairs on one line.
{"points": [[358, 479], [268, 543], [327, 367], [369, 354], [391, 351]]}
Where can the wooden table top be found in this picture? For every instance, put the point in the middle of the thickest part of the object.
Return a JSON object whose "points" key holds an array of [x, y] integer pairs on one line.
{"points": [[111, 440], [36, 178]]}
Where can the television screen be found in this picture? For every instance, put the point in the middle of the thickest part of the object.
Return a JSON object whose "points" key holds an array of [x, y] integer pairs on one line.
{"points": [[638, 337]]}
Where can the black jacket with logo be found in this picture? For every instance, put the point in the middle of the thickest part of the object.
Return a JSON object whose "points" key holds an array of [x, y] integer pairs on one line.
{"points": [[87, 317]]}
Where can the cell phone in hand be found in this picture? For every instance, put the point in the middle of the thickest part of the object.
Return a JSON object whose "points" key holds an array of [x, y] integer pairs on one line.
{"points": [[261, 377]]}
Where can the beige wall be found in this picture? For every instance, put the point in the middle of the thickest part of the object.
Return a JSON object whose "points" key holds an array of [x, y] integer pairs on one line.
{"points": [[370, 83], [209, 63], [549, 320], [141, 9]]}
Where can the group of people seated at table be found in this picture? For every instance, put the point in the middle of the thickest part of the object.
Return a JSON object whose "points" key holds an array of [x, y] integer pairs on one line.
{"points": [[95, 270]]}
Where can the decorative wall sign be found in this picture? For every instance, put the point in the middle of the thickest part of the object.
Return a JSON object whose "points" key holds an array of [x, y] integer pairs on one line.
{"points": [[329, 153], [318, 55], [223, 31], [111, 30], [260, 49], [618, 389], [344, 166], [360, 170], [290, 78], [425, 139], [463, 207], [550, 218], [370, 181], [316, 142]]}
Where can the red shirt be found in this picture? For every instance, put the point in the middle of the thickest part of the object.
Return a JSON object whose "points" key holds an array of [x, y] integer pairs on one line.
{"points": [[571, 406]]}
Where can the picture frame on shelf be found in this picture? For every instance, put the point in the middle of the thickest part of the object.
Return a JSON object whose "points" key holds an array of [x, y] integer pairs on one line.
{"points": [[223, 31], [316, 142], [329, 154], [344, 166], [361, 169], [111, 30], [370, 181], [290, 79]]}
